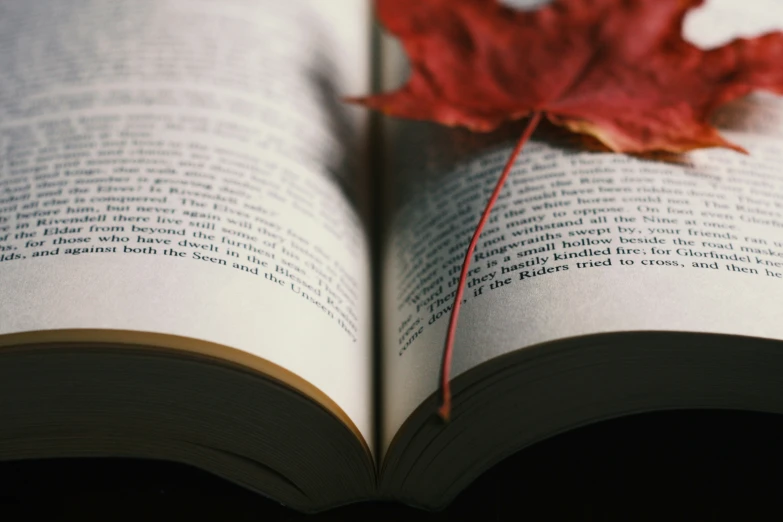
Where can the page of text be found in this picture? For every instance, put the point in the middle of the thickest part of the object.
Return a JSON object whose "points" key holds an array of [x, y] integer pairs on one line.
{"points": [[581, 242], [186, 168]]}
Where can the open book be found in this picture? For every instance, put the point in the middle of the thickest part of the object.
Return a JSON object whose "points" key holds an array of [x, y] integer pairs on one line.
{"points": [[186, 239]]}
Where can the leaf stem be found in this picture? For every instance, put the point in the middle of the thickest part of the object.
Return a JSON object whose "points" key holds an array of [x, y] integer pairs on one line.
{"points": [[445, 371]]}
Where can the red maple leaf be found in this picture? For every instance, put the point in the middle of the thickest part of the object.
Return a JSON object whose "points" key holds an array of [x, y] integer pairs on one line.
{"points": [[619, 70]]}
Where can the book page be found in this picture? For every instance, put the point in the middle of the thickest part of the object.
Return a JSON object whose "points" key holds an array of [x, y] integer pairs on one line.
{"points": [[581, 242], [186, 168]]}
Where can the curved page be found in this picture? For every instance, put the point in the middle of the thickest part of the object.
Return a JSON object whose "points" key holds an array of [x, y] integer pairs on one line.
{"points": [[184, 168], [581, 242]]}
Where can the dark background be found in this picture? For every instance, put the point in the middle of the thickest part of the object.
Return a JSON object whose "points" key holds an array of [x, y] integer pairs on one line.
{"points": [[672, 466]]}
